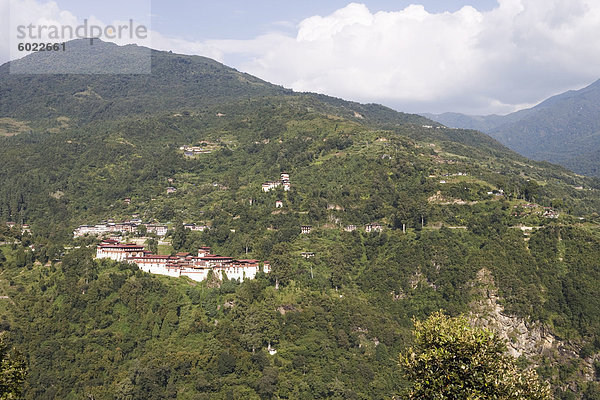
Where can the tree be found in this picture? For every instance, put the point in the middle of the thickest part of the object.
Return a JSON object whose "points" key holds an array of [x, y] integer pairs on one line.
{"points": [[12, 373], [260, 327], [451, 359], [281, 265], [20, 258], [152, 245], [142, 230], [267, 384], [339, 267], [179, 238]]}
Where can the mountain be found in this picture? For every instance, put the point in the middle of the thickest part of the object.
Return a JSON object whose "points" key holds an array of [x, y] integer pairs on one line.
{"points": [[468, 226], [177, 82], [564, 129]]}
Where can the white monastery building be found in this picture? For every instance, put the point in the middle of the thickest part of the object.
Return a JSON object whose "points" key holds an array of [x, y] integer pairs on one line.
{"points": [[196, 268], [284, 180], [122, 227]]}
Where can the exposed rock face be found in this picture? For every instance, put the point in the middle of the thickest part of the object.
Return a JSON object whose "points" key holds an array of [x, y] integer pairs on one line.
{"points": [[522, 337], [532, 340]]}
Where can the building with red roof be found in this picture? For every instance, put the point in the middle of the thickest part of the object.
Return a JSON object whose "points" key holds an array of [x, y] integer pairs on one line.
{"points": [[196, 268]]}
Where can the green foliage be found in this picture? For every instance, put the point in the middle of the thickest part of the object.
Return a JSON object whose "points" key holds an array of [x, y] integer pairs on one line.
{"points": [[282, 269], [450, 359], [107, 330], [12, 372]]}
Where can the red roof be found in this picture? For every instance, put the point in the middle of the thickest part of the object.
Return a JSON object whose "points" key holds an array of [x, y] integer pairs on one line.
{"points": [[213, 257], [129, 246], [151, 257]]}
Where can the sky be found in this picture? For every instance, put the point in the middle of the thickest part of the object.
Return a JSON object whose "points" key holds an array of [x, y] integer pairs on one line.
{"points": [[469, 56]]}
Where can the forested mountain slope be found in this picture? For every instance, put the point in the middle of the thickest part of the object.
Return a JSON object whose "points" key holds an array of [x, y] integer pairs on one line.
{"points": [[177, 81], [453, 204]]}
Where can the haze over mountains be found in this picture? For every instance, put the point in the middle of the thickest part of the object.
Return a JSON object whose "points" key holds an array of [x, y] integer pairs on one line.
{"points": [[564, 129]]}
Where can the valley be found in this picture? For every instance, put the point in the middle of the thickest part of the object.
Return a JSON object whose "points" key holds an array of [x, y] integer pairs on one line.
{"points": [[368, 218]]}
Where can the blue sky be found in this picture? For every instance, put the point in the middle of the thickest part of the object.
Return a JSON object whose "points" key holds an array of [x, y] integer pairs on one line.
{"points": [[241, 19], [470, 56]]}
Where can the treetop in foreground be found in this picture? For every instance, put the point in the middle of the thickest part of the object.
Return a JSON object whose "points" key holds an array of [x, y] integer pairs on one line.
{"points": [[450, 359], [12, 372]]}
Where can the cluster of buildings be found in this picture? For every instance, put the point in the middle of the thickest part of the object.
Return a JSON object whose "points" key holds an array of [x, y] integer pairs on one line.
{"points": [[283, 181], [191, 151], [132, 226], [119, 227], [196, 267]]}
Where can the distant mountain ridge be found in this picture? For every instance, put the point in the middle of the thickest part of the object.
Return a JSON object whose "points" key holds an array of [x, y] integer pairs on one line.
{"points": [[564, 129], [176, 82]]}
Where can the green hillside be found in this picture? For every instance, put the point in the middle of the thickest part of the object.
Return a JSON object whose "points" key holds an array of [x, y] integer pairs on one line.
{"points": [[455, 206]]}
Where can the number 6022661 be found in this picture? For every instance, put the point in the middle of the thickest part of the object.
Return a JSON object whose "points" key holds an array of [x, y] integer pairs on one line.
{"points": [[41, 46]]}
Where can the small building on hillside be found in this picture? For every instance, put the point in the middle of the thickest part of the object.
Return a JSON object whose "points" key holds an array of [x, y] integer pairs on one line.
{"points": [[194, 227], [158, 230], [306, 229], [91, 230], [284, 180], [278, 204], [171, 190], [125, 227], [350, 228], [373, 227], [550, 213], [270, 185]]}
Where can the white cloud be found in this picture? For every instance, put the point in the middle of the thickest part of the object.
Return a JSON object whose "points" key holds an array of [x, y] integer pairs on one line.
{"points": [[518, 53], [25, 12], [470, 61], [43, 16]]}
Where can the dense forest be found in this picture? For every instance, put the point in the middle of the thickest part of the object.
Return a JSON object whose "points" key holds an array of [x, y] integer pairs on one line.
{"points": [[454, 205]]}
